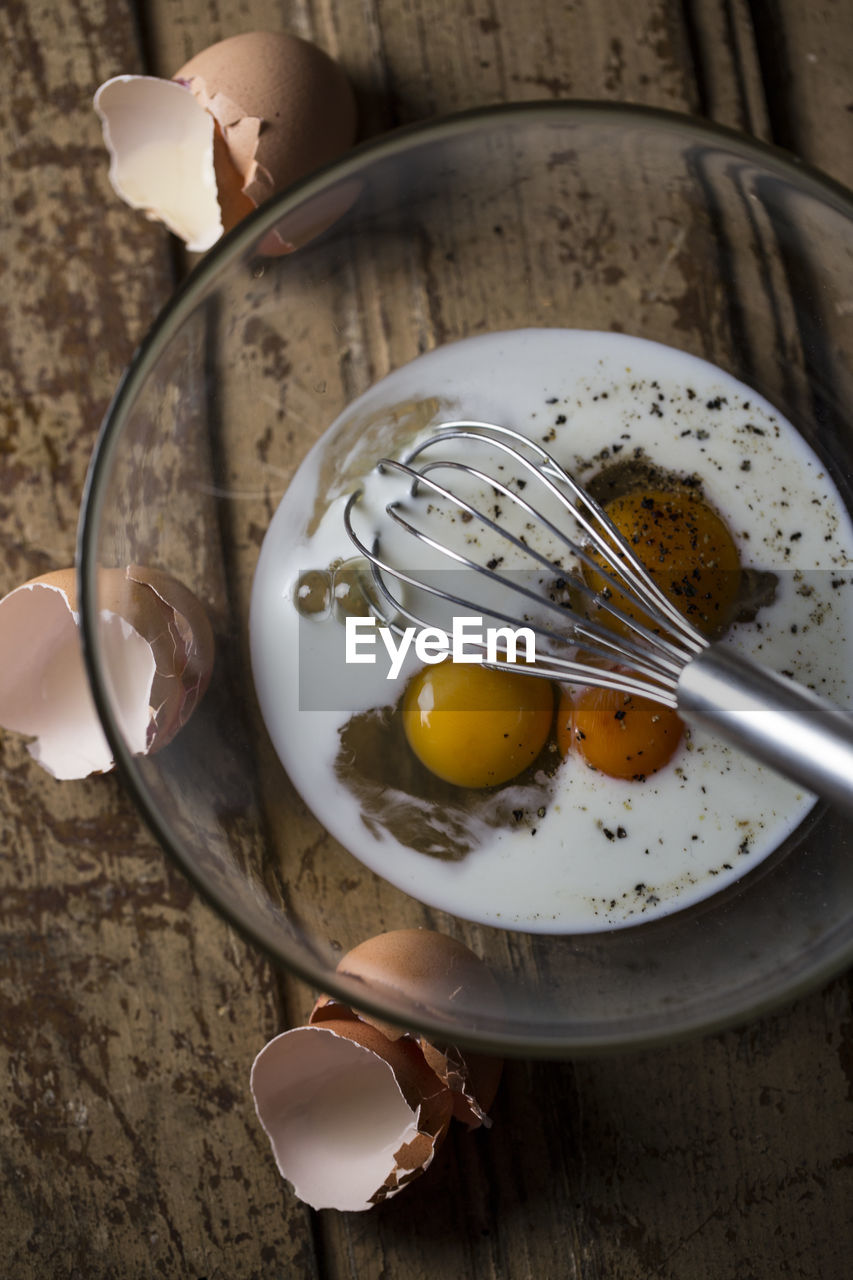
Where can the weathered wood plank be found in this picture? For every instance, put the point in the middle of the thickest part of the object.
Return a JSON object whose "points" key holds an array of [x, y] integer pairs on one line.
{"points": [[581, 1206], [666, 1164], [726, 65], [129, 1014], [128, 1011], [804, 50]]}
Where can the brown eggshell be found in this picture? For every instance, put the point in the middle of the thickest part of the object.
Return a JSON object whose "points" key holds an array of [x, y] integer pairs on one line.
{"points": [[64, 580], [430, 969], [472, 1078], [418, 1083], [173, 621], [234, 204], [340, 1138], [44, 688], [157, 645], [311, 218], [283, 106], [178, 629]]}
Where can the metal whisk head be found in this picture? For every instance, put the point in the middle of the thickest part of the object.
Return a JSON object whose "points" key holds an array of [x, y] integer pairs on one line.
{"points": [[487, 500]]}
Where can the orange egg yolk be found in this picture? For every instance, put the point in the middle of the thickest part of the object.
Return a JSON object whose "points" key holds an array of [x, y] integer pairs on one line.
{"points": [[475, 727], [620, 734], [687, 549]]}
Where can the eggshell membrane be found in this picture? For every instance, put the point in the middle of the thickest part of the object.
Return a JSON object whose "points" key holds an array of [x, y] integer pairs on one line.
{"points": [[283, 106], [345, 1112], [158, 670], [162, 154], [44, 688], [430, 969]]}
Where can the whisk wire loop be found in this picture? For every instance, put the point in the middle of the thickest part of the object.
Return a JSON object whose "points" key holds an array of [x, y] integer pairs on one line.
{"points": [[584, 510], [656, 658], [581, 628], [648, 665], [599, 598], [710, 684]]}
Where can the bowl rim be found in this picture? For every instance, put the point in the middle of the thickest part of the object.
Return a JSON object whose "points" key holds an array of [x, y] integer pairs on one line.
{"points": [[559, 1041]]}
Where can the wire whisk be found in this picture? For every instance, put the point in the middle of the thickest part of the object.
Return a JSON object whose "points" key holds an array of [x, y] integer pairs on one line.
{"points": [[487, 500]]}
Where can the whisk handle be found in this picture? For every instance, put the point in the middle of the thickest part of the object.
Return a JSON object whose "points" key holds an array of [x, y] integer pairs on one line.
{"points": [[772, 718]]}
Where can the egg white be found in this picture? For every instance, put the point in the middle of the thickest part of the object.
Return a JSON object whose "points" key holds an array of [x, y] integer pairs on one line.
{"points": [[601, 853]]}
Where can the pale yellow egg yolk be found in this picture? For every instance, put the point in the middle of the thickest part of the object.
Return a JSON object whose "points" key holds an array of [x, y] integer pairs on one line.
{"points": [[475, 727]]}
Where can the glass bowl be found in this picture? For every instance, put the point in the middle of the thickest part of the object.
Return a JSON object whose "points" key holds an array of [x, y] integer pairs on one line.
{"points": [[578, 215]]}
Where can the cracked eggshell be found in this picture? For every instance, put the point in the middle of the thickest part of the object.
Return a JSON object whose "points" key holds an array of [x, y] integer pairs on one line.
{"points": [[351, 1116], [158, 650], [241, 120], [430, 970], [284, 107], [160, 141], [311, 218], [176, 627]]}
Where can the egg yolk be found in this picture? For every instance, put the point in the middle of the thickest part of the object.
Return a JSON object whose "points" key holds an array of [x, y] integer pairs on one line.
{"points": [[475, 727], [620, 734], [687, 549]]}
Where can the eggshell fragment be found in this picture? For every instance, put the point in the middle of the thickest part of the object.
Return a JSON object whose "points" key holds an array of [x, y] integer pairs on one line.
{"points": [[431, 970], [158, 654], [346, 1113], [333, 1118], [160, 141], [241, 120], [311, 218], [284, 106], [176, 627]]}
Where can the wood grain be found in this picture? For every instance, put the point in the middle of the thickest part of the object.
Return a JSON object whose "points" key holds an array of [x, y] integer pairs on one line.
{"points": [[805, 66], [129, 1013]]}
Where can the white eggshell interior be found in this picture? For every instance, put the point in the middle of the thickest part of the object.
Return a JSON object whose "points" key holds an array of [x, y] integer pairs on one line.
{"points": [[160, 141], [129, 669], [44, 689], [334, 1114]]}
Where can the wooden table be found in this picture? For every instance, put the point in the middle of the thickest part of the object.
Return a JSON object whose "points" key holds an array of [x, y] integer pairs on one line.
{"points": [[129, 1013]]}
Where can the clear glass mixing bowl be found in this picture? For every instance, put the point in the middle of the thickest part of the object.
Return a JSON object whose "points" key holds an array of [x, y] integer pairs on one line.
{"points": [[561, 214]]}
